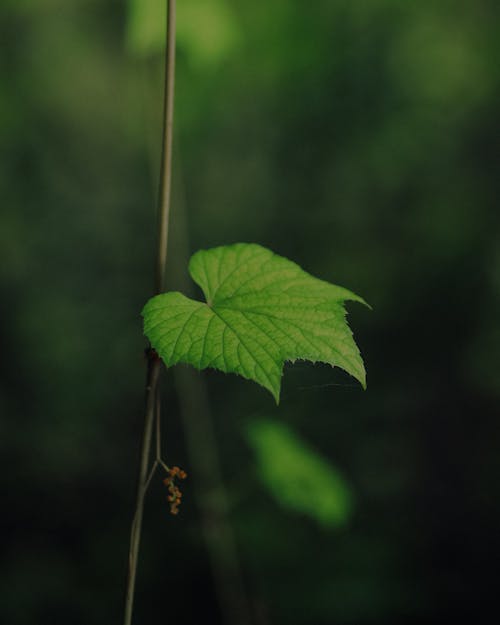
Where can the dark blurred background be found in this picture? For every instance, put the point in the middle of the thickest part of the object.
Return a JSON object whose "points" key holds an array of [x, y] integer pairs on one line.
{"points": [[356, 138]]}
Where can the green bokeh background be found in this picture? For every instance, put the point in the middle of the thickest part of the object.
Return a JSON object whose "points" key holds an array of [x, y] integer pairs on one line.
{"points": [[358, 139]]}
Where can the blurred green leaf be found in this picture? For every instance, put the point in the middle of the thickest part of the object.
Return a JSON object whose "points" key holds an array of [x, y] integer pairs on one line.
{"points": [[206, 31], [297, 476], [262, 310]]}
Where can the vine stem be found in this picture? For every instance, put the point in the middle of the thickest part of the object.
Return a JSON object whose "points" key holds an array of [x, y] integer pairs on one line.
{"points": [[154, 364], [166, 158]]}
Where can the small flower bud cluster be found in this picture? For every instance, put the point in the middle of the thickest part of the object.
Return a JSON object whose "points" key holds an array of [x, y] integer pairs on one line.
{"points": [[175, 494]]}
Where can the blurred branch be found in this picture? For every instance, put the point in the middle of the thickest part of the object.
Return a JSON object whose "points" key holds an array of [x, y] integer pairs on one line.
{"points": [[204, 457], [154, 363], [212, 498]]}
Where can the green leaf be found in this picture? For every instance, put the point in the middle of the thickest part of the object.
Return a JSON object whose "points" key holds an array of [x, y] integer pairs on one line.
{"points": [[261, 311], [297, 476]]}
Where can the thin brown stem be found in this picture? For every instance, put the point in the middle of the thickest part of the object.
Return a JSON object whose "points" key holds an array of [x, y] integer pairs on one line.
{"points": [[135, 534], [154, 363], [151, 474], [166, 158]]}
